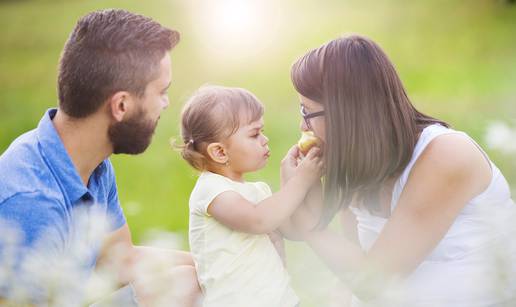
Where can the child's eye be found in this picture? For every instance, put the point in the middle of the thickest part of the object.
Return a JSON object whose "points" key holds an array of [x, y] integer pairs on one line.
{"points": [[256, 135]]}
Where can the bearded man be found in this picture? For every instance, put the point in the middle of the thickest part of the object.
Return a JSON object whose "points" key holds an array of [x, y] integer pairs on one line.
{"points": [[114, 74]]}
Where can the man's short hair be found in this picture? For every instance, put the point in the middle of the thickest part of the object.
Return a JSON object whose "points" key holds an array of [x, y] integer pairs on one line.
{"points": [[109, 51]]}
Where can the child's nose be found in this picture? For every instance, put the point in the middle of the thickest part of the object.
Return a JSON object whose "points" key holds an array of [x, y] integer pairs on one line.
{"points": [[265, 140], [166, 103]]}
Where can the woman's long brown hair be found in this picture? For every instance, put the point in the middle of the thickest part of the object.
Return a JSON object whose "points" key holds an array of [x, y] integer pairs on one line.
{"points": [[371, 125]]}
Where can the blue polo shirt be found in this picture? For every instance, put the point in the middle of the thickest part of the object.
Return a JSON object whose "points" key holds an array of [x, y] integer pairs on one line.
{"points": [[44, 199]]}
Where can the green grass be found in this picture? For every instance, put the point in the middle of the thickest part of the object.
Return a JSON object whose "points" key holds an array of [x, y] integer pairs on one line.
{"points": [[456, 59]]}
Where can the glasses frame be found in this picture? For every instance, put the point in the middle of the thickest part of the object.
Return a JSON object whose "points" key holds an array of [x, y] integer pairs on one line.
{"points": [[307, 116]]}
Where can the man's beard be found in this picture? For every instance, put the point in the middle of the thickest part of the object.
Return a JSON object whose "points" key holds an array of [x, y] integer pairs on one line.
{"points": [[132, 136]]}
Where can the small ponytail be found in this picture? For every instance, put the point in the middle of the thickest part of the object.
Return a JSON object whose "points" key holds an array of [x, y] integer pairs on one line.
{"points": [[189, 153]]}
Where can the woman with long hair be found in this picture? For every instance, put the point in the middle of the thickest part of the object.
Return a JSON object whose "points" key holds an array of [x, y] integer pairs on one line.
{"points": [[423, 196]]}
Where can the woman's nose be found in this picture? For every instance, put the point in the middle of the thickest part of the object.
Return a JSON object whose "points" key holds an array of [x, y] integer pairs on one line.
{"points": [[303, 126]]}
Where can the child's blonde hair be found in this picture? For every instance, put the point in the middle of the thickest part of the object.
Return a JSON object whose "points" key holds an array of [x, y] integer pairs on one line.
{"points": [[212, 114]]}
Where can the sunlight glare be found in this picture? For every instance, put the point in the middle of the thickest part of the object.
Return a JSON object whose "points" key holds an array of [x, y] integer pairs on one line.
{"points": [[236, 28]]}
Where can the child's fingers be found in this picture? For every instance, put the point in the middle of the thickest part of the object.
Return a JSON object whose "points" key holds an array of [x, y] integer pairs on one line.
{"points": [[291, 159], [293, 152]]}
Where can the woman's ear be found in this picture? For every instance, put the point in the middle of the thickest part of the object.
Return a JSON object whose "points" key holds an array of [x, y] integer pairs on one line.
{"points": [[218, 153]]}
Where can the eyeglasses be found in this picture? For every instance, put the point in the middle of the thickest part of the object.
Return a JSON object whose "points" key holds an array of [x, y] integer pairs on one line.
{"points": [[308, 116]]}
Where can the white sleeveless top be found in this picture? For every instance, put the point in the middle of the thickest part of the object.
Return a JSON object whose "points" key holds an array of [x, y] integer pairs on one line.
{"points": [[475, 262]]}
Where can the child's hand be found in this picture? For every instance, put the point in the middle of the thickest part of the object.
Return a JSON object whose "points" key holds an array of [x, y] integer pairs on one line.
{"points": [[310, 167], [289, 164]]}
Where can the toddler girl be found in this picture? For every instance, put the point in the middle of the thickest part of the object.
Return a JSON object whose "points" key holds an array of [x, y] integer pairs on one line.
{"points": [[230, 218]]}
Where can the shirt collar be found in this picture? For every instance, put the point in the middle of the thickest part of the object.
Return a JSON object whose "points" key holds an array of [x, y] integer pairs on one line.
{"points": [[59, 161]]}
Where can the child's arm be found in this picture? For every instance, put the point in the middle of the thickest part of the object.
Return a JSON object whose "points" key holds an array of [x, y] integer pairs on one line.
{"points": [[234, 211]]}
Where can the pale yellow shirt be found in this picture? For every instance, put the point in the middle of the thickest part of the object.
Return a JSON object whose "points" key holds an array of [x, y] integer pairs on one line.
{"points": [[235, 268]]}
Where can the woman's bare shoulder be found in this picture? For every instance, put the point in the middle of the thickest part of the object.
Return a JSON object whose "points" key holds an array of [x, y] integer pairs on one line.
{"points": [[451, 157]]}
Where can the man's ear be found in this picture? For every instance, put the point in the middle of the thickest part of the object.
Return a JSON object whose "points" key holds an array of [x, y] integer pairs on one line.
{"points": [[218, 152], [119, 104]]}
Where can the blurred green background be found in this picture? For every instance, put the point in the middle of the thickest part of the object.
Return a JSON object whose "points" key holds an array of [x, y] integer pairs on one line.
{"points": [[456, 58]]}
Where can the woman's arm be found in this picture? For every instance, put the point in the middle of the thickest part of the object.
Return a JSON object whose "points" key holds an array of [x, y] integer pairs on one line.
{"points": [[449, 173], [348, 222], [309, 212]]}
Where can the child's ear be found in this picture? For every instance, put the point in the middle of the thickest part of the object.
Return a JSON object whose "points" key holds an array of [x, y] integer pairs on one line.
{"points": [[218, 152]]}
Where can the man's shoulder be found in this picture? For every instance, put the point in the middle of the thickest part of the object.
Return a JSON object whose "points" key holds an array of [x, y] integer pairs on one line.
{"points": [[22, 167], [23, 148], [36, 198], [29, 210]]}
